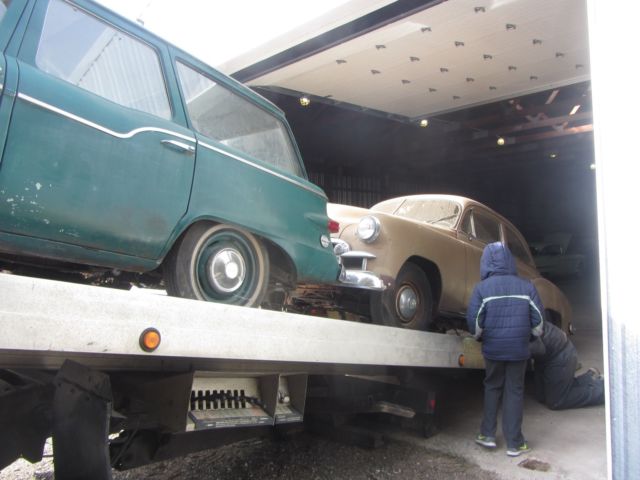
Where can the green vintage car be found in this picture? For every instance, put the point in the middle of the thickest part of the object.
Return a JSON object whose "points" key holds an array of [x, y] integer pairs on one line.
{"points": [[126, 159]]}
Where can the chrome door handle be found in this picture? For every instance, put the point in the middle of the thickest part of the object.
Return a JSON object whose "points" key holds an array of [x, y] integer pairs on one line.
{"points": [[178, 146]]}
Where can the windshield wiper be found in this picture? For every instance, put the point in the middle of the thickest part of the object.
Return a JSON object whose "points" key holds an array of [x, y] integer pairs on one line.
{"points": [[448, 217]]}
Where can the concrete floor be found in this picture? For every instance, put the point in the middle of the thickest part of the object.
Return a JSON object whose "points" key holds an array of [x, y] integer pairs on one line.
{"points": [[572, 442]]}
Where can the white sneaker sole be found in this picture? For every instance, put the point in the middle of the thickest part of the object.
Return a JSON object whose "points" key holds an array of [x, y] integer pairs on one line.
{"points": [[486, 444], [517, 453]]}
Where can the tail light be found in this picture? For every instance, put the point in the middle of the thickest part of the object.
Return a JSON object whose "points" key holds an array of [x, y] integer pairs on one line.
{"points": [[334, 227]]}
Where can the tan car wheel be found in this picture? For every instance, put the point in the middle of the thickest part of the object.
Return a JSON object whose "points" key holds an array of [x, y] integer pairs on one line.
{"points": [[409, 304]]}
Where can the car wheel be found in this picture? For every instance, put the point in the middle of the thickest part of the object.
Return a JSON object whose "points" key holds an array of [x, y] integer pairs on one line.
{"points": [[408, 304], [218, 263]]}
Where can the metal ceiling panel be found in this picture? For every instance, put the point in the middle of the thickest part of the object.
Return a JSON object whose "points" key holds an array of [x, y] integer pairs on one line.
{"points": [[454, 55]]}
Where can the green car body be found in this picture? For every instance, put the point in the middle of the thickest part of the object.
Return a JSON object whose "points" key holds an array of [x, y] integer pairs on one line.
{"points": [[117, 182]]}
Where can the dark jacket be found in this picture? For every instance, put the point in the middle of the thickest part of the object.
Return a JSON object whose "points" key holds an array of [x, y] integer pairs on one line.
{"points": [[504, 310], [553, 346], [556, 361]]}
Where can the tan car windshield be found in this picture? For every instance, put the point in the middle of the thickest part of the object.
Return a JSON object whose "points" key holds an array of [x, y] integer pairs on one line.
{"points": [[434, 211]]}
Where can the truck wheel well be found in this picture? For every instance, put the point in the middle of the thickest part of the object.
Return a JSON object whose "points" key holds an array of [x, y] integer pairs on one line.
{"points": [[435, 280]]}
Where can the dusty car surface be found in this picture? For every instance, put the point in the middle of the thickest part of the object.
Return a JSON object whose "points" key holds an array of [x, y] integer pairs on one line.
{"points": [[427, 249], [126, 159]]}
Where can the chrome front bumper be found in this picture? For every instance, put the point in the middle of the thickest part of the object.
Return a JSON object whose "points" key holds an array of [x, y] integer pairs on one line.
{"points": [[360, 278]]}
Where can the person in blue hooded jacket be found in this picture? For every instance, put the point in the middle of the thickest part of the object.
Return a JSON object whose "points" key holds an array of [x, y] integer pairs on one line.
{"points": [[504, 311]]}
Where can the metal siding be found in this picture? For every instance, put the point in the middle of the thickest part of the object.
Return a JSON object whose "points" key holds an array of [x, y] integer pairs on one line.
{"points": [[363, 191]]}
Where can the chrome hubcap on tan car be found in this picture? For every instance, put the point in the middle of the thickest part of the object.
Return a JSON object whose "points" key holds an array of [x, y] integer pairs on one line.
{"points": [[406, 303]]}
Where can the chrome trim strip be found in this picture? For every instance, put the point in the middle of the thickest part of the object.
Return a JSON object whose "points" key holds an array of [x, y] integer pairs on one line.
{"points": [[91, 124], [260, 167], [357, 254]]}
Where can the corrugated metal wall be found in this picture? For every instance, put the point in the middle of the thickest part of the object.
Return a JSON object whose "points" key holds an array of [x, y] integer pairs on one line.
{"points": [[362, 191]]}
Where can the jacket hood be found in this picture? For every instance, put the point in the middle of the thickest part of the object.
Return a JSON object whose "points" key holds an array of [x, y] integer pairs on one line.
{"points": [[497, 260]]}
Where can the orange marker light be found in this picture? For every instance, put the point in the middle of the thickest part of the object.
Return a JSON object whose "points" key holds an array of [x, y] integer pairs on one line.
{"points": [[461, 360], [149, 339]]}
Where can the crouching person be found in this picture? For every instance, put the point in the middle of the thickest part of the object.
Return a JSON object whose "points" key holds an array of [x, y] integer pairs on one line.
{"points": [[555, 363], [504, 311]]}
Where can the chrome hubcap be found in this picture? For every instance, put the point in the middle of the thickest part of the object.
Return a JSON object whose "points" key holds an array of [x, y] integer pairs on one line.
{"points": [[407, 303], [227, 270]]}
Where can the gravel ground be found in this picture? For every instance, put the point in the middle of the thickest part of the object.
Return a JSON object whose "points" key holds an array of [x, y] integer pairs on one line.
{"points": [[302, 456]]}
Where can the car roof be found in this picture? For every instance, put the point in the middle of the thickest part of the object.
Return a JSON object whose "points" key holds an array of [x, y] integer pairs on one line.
{"points": [[464, 201]]}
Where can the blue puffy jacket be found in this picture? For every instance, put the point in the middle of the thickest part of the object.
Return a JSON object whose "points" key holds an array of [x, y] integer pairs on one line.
{"points": [[504, 310]]}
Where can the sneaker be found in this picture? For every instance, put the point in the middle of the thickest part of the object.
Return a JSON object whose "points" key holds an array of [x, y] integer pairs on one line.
{"points": [[489, 442], [594, 372], [517, 451]]}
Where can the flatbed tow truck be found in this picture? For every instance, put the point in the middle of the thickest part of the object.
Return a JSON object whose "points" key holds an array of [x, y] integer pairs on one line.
{"points": [[120, 379]]}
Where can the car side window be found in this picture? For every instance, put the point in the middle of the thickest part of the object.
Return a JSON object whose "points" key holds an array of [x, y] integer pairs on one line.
{"points": [[466, 226], [84, 51], [219, 113], [487, 229], [518, 249]]}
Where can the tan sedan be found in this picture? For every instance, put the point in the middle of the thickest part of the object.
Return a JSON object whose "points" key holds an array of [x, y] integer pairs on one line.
{"points": [[426, 249]]}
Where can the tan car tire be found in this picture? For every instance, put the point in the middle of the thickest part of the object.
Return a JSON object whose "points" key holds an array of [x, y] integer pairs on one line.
{"points": [[408, 304]]}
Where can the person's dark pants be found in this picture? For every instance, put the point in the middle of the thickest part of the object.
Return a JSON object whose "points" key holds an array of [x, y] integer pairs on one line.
{"points": [[504, 380], [557, 387]]}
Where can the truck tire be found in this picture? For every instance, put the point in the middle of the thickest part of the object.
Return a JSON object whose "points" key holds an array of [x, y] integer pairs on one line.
{"points": [[408, 304], [218, 263]]}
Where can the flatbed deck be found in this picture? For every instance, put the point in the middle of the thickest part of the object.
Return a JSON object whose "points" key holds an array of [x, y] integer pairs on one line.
{"points": [[45, 322]]}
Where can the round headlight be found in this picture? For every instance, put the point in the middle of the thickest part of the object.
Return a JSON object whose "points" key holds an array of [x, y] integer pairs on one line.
{"points": [[368, 229]]}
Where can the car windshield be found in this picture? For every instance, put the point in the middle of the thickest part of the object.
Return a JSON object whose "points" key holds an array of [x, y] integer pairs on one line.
{"points": [[434, 211]]}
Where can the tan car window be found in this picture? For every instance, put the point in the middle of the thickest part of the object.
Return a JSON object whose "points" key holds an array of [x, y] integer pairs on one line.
{"points": [[466, 225], [432, 211], [487, 229], [388, 206], [516, 246]]}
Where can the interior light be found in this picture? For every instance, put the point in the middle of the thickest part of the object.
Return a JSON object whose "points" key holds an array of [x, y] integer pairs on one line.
{"points": [[574, 110], [424, 123], [592, 166], [500, 141], [552, 97], [305, 101], [553, 155]]}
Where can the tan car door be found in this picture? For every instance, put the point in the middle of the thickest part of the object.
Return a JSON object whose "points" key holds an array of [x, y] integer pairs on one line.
{"points": [[477, 229]]}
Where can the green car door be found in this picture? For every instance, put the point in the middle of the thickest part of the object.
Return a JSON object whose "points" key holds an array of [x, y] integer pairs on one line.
{"points": [[97, 154]]}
